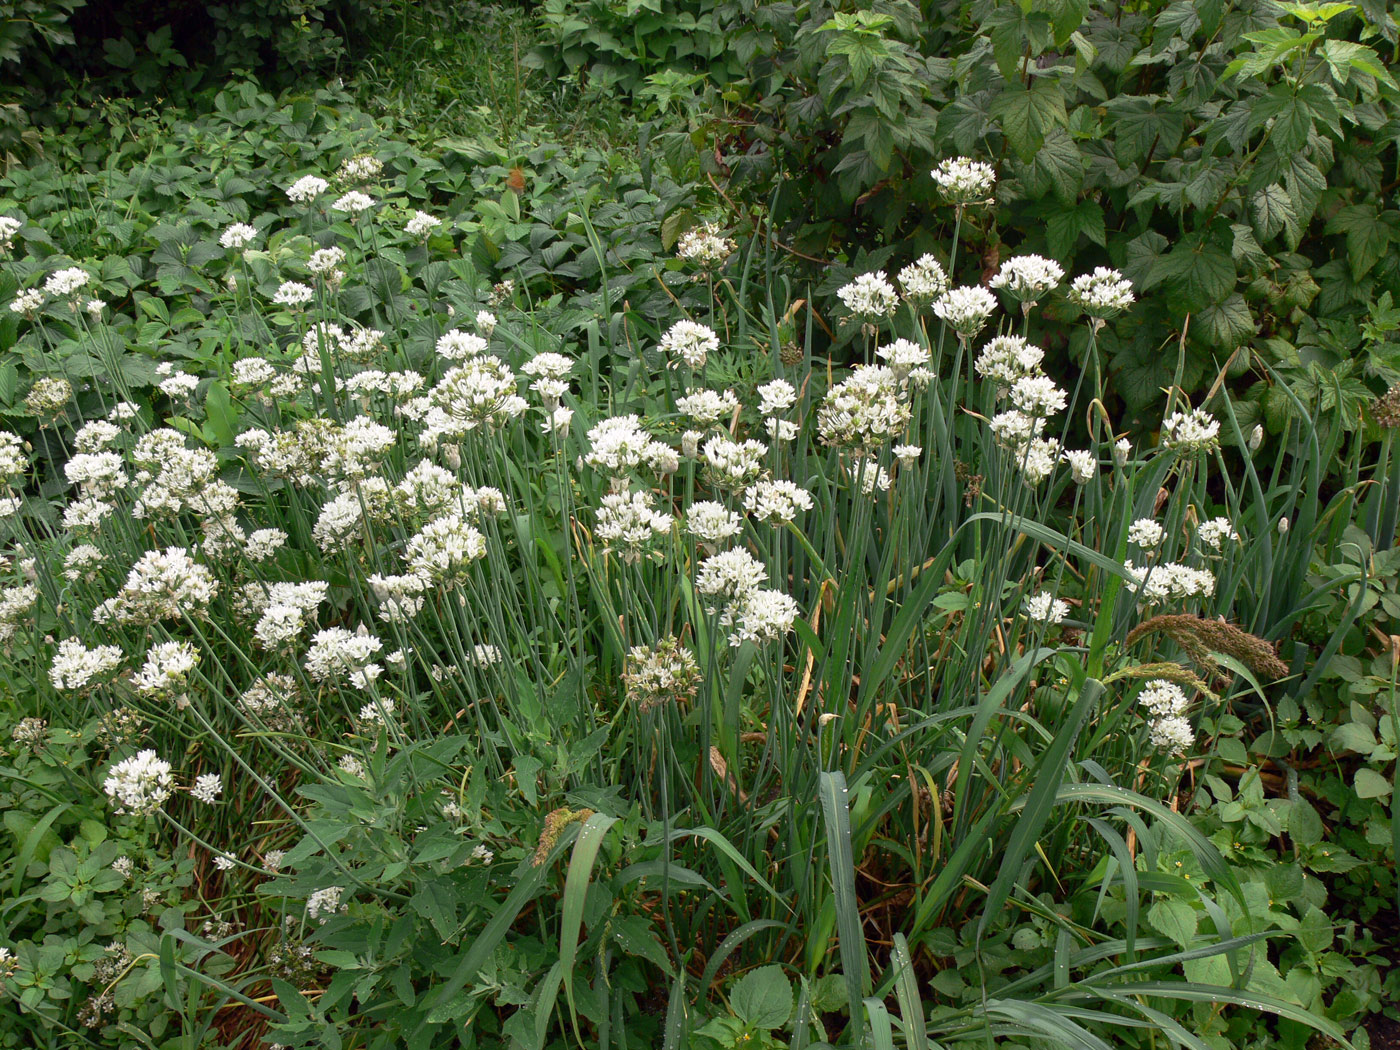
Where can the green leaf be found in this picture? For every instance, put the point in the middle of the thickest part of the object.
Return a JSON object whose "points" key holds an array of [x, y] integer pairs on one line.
{"points": [[762, 998], [1065, 226], [1027, 114], [1274, 211], [1175, 919], [1226, 324], [1370, 784], [1197, 274], [1057, 167]]}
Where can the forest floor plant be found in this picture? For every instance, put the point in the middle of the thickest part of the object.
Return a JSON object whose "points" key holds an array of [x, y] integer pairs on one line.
{"points": [[404, 677]]}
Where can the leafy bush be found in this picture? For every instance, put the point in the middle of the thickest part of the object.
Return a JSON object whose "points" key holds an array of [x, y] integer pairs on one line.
{"points": [[1231, 159], [418, 625]]}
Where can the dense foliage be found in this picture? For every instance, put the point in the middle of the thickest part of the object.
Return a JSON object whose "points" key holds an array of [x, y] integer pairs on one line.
{"points": [[466, 586]]}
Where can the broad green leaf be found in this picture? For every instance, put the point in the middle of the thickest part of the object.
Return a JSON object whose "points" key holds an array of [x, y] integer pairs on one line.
{"points": [[762, 998], [1027, 114], [1370, 784], [1175, 919]]}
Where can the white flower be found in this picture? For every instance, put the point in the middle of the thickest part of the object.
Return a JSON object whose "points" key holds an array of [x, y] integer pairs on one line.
{"points": [[457, 345], [965, 309], [360, 168], [83, 562], [239, 235], [75, 666], [1038, 396], [1044, 607], [903, 356], [1102, 293], [1157, 584], [8, 228], [906, 455], [964, 180], [776, 397], [166, 669], [442, 549], [67, 282], [1122, 449], [337, 654], [482, 853], [324, 261], [180, 385], [923, 281], [94, 307], [777, 502], [1173, 734], [1028, 278], [352, 765], [782, 429], [207, 788], [324, 903], [485, 323], [870, 297], [549, 365], [1036, 459], [763, 616], [705, 245], [139, 784], [864, 409], [354, 202], [619, 445], [306, 189], [733, 463], [628, 524], [400, 597], [224, 861], [707, 406], [1193, 431], [712, 523], [728, 577], [1163, 698], [421, 224], [376, 713], [690, 343], [27, 302], [1146, 533], [1215, 532], [1007, 358], [1082, 465], [293, 294], [1256, 437]]}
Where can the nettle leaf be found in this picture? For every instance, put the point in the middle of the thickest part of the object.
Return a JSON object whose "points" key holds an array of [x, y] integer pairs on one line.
{"points": [[1367, 237], [1273, 211], [1175, 919], [1028, 114], [1226, 324], [1057, 167], [1197, 274], [1065, 226], [1143, 124]]}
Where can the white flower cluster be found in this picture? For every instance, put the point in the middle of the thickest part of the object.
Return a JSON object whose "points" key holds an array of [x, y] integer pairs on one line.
{"points": [[628, 524], [965, 310], [1169, 582], [689, 343], [75, 667], [1101, 294], [1165, 704], [964, 180], [705, 245], [139, 785], [731, 580], [1007, 358], [870, 297], [338, 655], [923, 280], [1044, 607], [1192, 431], [1028, 278], [864, 410]]}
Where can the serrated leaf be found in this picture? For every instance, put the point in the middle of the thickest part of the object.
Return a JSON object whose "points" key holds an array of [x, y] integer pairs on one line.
{"points": [[1273, 212], [1065, 226], [1027, 114], [1227, 324], [1197, 274], [1057, 167], [1175, 919]]}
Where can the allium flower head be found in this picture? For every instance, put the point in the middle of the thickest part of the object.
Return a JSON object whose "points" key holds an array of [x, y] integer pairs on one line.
{"points": [[712, 524], [306, 189], [1038, 395], [865, 409], [239, 235], [166, 670], [665, 673], [628, 525], [75, 667], [728, 577], [140, 784], [776, 397], [1007, 358], [9, 226], [966, 309], [1101, 294], [776, 502], [732, 463], [421, 224], [339, 655], [707, 407], [1146, 534], [964, 180], [689, 343], [923, 280], [1028, 278], [870, 297], [763, 616], [1044, 607], [67, 282], [207, 788], [354, 202], [27, 303], [705, 245], [1082, 465], [1193, 431], [1216, 531], [903, 356], [294, 294]]}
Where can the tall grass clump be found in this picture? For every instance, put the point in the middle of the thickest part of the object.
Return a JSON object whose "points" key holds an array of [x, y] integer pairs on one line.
{"points": [[431, 684]]}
